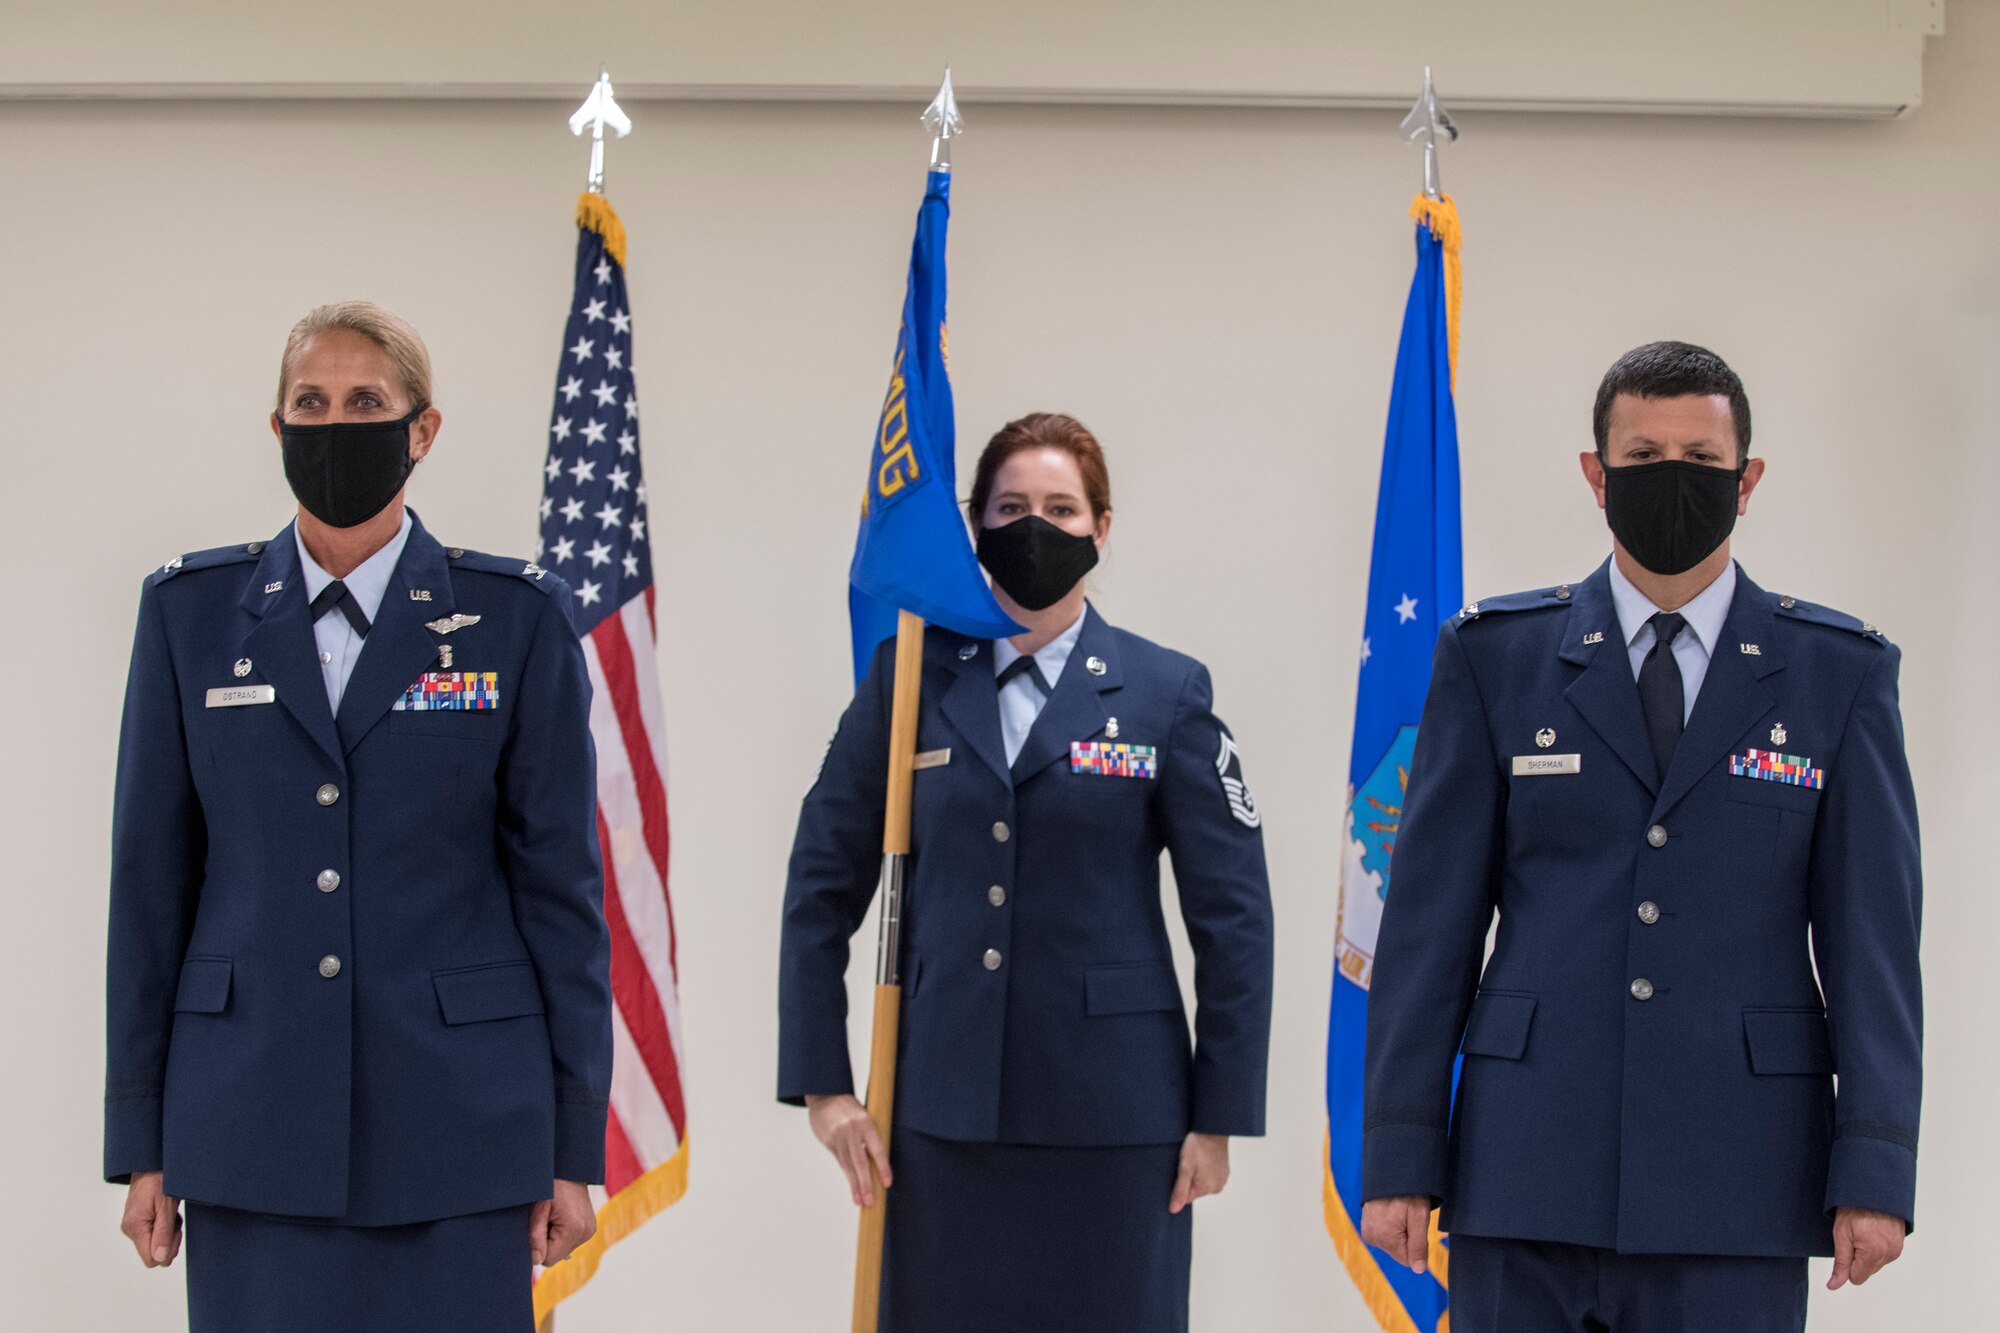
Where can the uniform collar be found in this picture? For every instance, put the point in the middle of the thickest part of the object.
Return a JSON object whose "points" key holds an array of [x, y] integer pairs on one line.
{"points": [[1051, 657], [1705, 614], [369, 579]]}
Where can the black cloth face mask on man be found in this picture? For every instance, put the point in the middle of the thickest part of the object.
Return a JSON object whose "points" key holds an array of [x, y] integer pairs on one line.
{"points": [[345, 473], [1671, 515], [1035, 562]]}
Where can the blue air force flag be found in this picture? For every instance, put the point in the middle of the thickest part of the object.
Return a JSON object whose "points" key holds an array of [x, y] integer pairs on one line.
{"points": [[1415, 584], [913, 552]]}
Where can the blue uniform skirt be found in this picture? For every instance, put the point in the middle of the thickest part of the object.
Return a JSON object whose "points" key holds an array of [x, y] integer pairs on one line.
{"points": [[248, 1273], [996, 1238]]}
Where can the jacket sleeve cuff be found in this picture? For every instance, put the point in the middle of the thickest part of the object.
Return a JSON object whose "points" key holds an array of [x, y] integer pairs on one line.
{"points": [[1403, 1158], [580, 1118], [1237, 1114], [814, 1069], [1876, 1173], [131, 1137]]}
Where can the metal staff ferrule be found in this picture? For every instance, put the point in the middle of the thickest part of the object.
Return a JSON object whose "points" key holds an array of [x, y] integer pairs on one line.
{"points": [[889, 941], [1429, 122]]}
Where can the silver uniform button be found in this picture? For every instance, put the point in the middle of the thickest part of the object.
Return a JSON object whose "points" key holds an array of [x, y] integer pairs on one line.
{"points": [[997, 896], [1642, 989], [329, 967], [1656, 836], [1788, 603], [328, 881], [327, 794], [1649, 913], [1001, 832], [1562, 593], [992, 960], [255, 548]]}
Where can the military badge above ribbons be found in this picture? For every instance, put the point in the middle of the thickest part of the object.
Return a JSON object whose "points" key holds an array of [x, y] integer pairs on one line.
{"points": [[1415, 584]]}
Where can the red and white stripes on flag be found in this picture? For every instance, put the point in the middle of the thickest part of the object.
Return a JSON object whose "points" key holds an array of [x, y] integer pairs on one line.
{"points": [[594, 534]]}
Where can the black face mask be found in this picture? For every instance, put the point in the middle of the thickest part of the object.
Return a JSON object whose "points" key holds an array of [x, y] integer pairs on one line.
{"points": [[345, 474], [1671, 516], [1035, 562]]}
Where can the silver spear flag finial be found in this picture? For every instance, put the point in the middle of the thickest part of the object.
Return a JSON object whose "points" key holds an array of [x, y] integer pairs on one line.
{"points": [[1428, 121], [943, 118], [599, 110]]}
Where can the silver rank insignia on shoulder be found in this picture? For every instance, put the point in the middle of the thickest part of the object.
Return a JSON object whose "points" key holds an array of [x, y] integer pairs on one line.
{"points": [[444, 657], [270, 588], [1111, 729], [446, 624], [1778, 734], [1595, 636], [1750, 650], [532, 570], [1095, 666], [1545, 737], [242, 667], [1471, 611], [171, 565], [420, 594], [968, 651]]}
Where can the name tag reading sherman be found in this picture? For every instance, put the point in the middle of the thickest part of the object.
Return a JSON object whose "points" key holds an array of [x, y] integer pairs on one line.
{"points": [[1544, 765], [236, 696]]}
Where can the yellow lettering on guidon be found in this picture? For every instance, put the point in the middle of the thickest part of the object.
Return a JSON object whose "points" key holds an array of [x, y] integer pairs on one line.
{"points": [[899, 456]]}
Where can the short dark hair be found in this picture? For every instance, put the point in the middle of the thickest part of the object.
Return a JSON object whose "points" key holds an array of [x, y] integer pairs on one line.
{"points": [[1672, 370]]}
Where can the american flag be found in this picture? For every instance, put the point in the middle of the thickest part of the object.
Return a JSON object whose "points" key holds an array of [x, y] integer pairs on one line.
{"points": [[594, 534]]}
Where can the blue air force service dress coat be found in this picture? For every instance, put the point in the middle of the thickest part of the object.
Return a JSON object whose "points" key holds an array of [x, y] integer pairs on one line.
{"points": [[1684, 960], [358, 967], [1046, 1078]]}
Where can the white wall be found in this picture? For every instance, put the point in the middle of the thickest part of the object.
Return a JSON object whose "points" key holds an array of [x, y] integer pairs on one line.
{"points": [[1215, 292]]}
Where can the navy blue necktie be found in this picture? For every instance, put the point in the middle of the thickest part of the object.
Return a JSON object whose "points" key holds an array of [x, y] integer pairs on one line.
{"points": [[1024, 666], [1662, 696], [335, 596]]}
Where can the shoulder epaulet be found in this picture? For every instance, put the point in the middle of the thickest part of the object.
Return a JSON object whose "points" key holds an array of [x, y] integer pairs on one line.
{"points": [[1813, 614], [1538, 599], [209, 559], [525, 570]]}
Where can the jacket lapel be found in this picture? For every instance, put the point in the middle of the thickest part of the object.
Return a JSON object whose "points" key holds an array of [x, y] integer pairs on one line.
{"points": [[971, 703], [1733, 696], [398, 647], [1075, 712], [281, 647], [1606, 694]]}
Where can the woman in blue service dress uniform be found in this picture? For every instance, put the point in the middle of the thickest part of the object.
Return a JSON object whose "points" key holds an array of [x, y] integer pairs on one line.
{"points": [[359, 992], [1053, 1122]]}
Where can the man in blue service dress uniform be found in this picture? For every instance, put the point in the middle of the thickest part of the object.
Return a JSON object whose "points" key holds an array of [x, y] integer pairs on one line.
{"points": [[359, 1004], [1686, 798]]}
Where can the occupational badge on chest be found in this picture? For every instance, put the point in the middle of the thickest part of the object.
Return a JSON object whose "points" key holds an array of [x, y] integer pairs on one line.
{"points": [[1114, 761], [451, 691]]}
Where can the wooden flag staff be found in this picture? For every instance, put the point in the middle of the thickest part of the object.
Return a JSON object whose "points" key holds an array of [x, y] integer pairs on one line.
{"points": [[888, 986]]}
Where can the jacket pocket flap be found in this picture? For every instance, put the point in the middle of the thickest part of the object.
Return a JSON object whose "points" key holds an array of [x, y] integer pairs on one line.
{"points": [[204, 987], [1788, 1041], [482, 994], [1130, 988], [1784, 796], [1499, 1024]]}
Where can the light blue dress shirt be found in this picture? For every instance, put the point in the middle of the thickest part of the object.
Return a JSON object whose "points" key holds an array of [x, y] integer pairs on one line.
{"points": [[1694, 645], [339, 645], [1021, 699]]}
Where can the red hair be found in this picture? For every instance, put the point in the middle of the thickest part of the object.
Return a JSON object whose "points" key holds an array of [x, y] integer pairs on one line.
{"points": [[1043, 430]]}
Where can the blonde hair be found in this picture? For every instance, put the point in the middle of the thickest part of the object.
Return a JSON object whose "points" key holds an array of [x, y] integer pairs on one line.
{"points": [[392, 333]]}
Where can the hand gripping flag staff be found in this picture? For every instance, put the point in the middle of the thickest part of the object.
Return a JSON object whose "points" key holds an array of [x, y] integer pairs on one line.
{"points": [[1415, 584], [594, 534], [913, 562]]}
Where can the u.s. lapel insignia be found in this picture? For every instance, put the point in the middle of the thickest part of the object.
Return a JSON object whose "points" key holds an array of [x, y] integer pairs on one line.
{"points": [[420, 594], [1545, 737], [1095, 666], [1111, 729], [242, 667], [457, 620], [444, 656], [1242, 805], [270, 588], [1778, 734], [968, 651], [1595, 636], [1750, 650]]}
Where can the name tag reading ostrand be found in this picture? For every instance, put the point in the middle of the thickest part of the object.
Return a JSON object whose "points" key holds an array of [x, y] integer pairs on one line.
{"points": [[932, 759], [237, 696], [1546, 765]]}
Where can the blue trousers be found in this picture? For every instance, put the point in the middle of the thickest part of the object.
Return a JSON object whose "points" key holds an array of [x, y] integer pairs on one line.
{"points": [[1531, 1286], [248, 1273], [1001, 1238]]}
